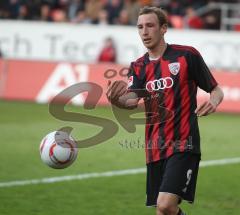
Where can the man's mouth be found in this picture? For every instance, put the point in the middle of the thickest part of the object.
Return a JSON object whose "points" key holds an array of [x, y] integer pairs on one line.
{"points": [[146, 40]]}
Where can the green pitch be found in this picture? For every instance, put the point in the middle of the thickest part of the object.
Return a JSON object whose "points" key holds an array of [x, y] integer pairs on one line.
{"points": [[22, 126]]}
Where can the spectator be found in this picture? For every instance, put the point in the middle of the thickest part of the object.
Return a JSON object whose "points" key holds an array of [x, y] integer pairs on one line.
{"points": [[92, 8], [113, 8], [59, 15], [145, 2], [82, 18], [193, 21], [124, 12], [74, 7], [103, 17], [34, 7], [132, 7], [212, 20], [61, 4], [108, 52], [175, 8], [23, 13], [236, 27], [123, 18], [160, 3], [45, 11], [3, 9], [13, 8]]}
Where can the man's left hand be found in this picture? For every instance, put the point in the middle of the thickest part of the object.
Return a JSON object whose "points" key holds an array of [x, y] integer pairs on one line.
{"points": [[206, 108]]}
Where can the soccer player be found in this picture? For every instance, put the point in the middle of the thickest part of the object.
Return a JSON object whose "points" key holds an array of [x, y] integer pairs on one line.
{"points": [[167, 78]]}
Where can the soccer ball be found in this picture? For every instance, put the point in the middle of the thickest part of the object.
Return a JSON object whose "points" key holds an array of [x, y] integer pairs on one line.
{"points": [[58, 150]]}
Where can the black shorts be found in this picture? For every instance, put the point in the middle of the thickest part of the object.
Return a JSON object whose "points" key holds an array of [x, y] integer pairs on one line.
{"points": [[176, 174]]}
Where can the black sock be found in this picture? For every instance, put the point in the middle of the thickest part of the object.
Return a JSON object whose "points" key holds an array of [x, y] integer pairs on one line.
{"points": [[180, 212]]}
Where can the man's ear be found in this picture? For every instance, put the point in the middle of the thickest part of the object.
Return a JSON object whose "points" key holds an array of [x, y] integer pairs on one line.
{"points": [[164, 28]]}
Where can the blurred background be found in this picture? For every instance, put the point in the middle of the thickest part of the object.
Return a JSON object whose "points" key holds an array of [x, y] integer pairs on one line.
{"points": [[47, 46]]}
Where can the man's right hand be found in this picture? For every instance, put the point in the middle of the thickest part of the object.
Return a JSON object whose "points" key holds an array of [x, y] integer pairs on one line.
{"points": [[118, 95], [116, 90]]}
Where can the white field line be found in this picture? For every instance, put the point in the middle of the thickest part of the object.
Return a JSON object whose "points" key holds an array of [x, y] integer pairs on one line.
{"points": [[106, 174]]}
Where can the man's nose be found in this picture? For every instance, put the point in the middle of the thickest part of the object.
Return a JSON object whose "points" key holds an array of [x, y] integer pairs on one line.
{"points": [[145, 31]]}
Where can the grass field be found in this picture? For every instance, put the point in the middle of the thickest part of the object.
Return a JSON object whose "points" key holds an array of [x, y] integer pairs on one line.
{"points": [[22, 126]]}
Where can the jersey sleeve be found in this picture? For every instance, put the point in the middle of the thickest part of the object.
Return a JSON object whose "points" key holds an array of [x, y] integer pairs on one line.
{"points": [[201, 73], [134, 83]]}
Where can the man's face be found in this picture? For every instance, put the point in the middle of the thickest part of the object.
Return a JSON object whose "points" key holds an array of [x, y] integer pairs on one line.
{"points": [[150, 31]]}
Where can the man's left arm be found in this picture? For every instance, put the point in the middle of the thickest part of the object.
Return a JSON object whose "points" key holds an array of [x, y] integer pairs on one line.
{"points": [[210, 106]]}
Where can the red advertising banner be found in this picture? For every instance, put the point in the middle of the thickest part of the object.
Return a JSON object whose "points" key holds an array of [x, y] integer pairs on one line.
{"points": [[41, 81]]}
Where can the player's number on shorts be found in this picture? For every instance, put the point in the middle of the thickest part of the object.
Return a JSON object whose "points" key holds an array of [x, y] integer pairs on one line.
{"points": [[189, 175]]}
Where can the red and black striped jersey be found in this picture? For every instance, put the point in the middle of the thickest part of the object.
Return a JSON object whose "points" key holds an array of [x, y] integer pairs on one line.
{"points": [[168, 86]]}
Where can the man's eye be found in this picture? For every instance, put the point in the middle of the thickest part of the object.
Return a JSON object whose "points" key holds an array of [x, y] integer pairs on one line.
{"points": [[150, 25]]}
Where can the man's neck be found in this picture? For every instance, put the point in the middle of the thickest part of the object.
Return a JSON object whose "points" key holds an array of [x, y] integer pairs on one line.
{"points": [[158, 51]]}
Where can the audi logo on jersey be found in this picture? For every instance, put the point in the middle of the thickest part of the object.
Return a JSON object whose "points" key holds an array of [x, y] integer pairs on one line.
{"points": [[159, 84]]}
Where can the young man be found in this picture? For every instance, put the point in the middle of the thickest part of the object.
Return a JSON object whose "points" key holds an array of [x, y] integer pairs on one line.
{"points": [[167, 77]]}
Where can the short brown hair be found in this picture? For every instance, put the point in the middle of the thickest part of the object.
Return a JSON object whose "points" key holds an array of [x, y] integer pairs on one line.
{"points": [[161, 14]]}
